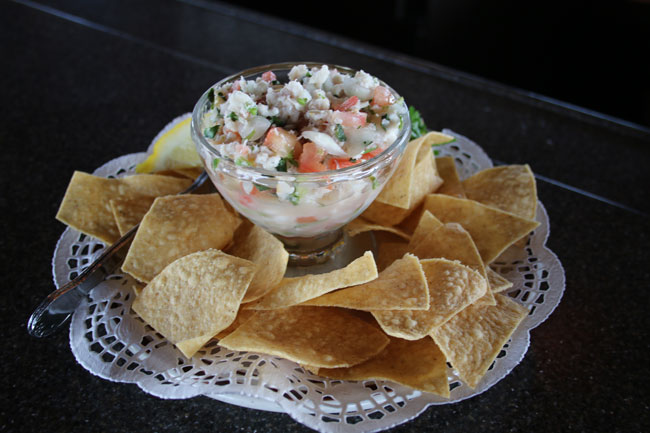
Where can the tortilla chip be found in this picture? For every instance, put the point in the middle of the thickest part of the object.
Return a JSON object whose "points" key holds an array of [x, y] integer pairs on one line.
{"points": [[129, 213], [408, 224], [292, 291], [189, 172], [473, 339], [389, 252], [401, 286], [452, 287], [417, 364], [195, 297], [240, 319], [451, 181], [497, 282], [398, 191], [315, 336], [415, 177], [360, 225], [385, 214], [253, 243], [433, 239], [491, 229], [510, 188], [427, 224], [176, 226], [86, 204]]}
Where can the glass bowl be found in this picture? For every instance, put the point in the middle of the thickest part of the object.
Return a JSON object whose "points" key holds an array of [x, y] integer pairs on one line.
{"points": [[310, 221]]}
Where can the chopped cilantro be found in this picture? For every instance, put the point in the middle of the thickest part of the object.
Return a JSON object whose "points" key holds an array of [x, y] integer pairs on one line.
{"points": [[375, 182], [211, 131], [249, 136], [289, 159], [353, 160], [338, 131], [369, 149], [302, 101], [294, 198], [211, 96], [253, 110], [222, 96], [308, 74], [401, 122], [242, 162], [261, 187], [276, 121], [418, 128], [276, 82], [233, 116], [215, 162], [282, 165]]}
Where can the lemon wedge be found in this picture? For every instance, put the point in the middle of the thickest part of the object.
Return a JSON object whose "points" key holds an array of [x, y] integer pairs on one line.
{"points": [[172, 148]]}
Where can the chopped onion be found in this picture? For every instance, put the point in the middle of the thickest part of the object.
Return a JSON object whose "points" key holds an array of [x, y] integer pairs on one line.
{"points": [[325, 142]]}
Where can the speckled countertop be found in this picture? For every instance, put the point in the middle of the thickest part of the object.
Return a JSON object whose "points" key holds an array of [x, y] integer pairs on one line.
{"points": [[84, 82]]}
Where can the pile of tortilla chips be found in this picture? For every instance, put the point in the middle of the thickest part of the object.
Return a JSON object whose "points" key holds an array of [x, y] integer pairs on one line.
{"points": [[429, 299]]}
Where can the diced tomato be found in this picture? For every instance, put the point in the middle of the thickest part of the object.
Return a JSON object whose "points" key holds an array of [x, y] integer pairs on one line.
{"points": [[311, 159], [280, 141], [347, 104], [245, 200], [350, 119], [269, 76], [309, 219], [242, 149], [382, 97], [297, 151], [336, 163], [371, 154]]}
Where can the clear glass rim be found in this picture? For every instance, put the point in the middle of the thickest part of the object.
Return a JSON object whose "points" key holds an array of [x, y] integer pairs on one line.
{"points": [[331, 175]]}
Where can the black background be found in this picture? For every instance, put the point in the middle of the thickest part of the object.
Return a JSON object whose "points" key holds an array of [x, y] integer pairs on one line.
{"points": [[593, 54]]}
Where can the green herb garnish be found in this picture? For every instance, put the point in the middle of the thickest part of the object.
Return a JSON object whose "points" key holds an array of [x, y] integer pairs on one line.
{"points": [[261, 187], [289, 159], [401, 122], [375, 182], [338, 131], [249, 136], [294, 198], [242, 162], [282, 165], [302, 101], [418, 128], [276, 82], [308, 74], [252, 109], [276, 121], [211, 131], [233, 116], [215, 162], [353, 160], [222, 96], [211, 96], [370, 149]]}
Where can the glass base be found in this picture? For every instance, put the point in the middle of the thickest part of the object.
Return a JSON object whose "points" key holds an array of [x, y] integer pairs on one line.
{"points": [[336, 251]]}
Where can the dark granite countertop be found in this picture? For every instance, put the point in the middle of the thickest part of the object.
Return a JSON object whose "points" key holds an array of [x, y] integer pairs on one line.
{"points": [[85, 82]]}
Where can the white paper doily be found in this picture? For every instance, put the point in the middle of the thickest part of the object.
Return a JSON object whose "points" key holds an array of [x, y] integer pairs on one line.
{"points": [[110, 341]]}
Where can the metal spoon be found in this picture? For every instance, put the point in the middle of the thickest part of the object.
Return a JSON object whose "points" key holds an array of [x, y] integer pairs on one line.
{"points": [[55, 310]]}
